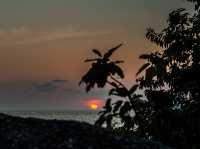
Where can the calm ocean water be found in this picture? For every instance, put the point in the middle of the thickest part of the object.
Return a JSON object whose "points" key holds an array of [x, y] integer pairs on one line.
{"points": [[86, 116]]}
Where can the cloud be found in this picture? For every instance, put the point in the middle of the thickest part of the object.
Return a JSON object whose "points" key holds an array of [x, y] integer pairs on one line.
{"points": [[46, 87], [46, 95], [59, 81], [66, 89], [50, 86], [22, 35]]}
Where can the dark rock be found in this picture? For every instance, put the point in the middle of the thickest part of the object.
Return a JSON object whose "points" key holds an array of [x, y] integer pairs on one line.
{"points": [[32, 133]]}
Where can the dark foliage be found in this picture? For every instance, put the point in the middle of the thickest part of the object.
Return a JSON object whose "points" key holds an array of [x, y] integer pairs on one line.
{"points": [[104, 71], [102, 68], [171, 84], [171, 80]]}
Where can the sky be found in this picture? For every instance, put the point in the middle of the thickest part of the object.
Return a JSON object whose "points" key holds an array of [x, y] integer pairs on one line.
{"points": [[43, 44]]}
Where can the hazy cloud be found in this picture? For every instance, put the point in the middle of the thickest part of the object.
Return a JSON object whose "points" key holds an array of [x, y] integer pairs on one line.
{"points": [[60, 81], [20, 36], [50, 86], [46, 87], [67, 89]]}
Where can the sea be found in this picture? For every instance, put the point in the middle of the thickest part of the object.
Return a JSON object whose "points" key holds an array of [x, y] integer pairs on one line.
{"points": [[78, 115]]}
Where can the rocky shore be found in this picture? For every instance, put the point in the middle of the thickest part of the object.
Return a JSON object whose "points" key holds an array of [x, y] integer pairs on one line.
{"points": [[32, 133]]}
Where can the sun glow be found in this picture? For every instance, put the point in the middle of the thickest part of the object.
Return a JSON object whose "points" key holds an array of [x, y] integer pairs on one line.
{"points": [[93, 106]]}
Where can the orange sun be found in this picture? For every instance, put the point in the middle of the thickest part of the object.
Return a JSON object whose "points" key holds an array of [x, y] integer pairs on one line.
{"points": [[93, 106]]}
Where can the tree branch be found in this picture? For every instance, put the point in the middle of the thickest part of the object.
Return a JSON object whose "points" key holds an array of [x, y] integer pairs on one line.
{"points": [[118, 82]]}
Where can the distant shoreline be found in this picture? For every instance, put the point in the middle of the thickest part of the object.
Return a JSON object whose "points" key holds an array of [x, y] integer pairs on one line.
{"points": [[88, 116]]}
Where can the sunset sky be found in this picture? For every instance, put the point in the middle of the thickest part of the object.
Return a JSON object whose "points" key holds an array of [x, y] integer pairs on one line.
{"points": [[43, 44]]}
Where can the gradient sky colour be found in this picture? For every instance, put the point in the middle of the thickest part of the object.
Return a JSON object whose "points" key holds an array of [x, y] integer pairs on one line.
{"points": [[43, 44]]}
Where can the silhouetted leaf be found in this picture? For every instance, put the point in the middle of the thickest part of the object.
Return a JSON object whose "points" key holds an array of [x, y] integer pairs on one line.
{"points": [[97, 52], [109, 121], [150, 73], [114, 84], [133, 88], [117, 105], [112, 92], [142, 68], [118, 62], [122, 92], [110, 52], [137, 96], [100, 121], [108, 106], [114, 69], [91, 60], [145, 56], [124, 108]]}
